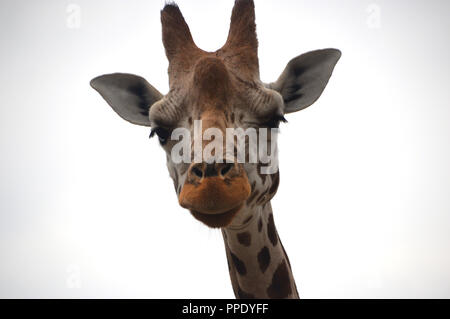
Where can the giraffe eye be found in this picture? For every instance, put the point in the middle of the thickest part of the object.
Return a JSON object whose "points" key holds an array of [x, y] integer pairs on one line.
{"points": [[162, 133]]}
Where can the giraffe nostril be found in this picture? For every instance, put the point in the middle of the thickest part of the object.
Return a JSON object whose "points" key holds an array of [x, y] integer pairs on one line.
{"points": [[197, 171], [226, 169]]}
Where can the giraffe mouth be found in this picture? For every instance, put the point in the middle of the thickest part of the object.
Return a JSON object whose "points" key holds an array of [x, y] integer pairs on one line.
{"points": [[217, 220]]}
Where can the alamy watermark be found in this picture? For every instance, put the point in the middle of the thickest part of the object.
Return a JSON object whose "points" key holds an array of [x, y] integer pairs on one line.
{"points": [[73, 19], [238, 145], [374, 16], [73, 280]]}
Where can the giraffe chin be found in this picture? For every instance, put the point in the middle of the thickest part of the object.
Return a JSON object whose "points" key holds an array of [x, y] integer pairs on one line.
{"points": [[217, 220]]}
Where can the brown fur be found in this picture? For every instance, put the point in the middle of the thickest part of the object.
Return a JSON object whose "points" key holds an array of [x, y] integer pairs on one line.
{"points": [[212, 82]]}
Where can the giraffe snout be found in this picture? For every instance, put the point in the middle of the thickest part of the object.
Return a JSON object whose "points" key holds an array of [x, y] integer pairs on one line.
{"points": [[199, 170], [215, 192]]}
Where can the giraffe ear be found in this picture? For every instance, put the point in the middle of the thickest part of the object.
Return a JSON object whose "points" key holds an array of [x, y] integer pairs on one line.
{"points": [[129, 95], [305, 77]]}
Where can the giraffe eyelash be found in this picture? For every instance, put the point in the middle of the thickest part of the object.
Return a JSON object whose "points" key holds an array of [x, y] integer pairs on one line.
{"points": [[162, 134], [275, 121]]}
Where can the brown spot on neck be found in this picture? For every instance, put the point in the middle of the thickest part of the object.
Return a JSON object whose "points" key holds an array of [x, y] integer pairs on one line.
{"points": [[264, 259], [271, 231], [244, 295], [281, 283], [238, 264], [245, 239], [275, 183], [260, 224]]}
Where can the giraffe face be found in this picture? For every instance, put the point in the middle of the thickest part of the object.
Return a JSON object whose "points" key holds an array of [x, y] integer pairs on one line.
{"points": [[216, 189], [221, 90]]}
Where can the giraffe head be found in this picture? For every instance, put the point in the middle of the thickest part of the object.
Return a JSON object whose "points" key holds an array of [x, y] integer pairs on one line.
{"points": [[210, 93]]}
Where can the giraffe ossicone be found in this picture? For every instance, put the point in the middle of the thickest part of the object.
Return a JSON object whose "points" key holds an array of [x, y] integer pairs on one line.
{"points": [[225, 187]]}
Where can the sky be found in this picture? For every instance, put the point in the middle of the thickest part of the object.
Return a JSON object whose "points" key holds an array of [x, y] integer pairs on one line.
{"points": [[87, 208]]}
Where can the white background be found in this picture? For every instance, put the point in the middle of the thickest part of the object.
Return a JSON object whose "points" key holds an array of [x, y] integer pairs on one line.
{"points": [[87, 208]]}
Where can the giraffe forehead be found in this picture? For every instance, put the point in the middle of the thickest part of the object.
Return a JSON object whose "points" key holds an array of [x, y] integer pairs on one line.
{"points": [[211, 78], [211, 90]]}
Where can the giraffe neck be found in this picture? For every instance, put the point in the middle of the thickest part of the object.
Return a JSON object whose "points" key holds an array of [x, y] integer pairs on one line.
{"points": [[257, 261]]}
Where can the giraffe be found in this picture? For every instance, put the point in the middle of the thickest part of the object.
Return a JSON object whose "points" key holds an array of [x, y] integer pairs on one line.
{"points": [[222, 89]]}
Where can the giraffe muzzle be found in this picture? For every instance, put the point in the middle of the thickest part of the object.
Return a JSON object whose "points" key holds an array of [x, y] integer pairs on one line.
{"points": [[214, 193]]}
